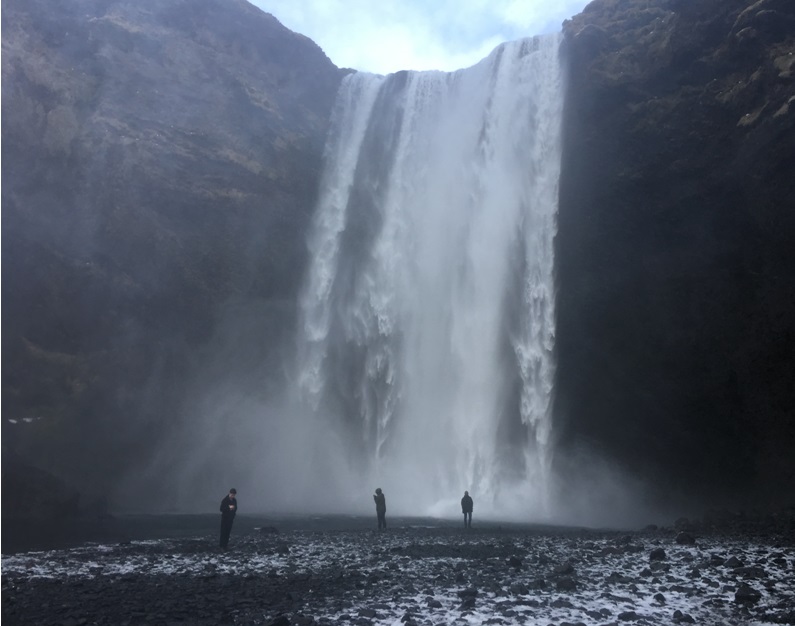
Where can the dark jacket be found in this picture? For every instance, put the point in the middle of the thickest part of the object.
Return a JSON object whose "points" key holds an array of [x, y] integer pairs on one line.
{"points": [[225, 510], [466, 504], [380, 503]]}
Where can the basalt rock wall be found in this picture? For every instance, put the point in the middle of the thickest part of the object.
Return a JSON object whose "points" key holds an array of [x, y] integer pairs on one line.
{"points": [[676, 244], [160, 164]]}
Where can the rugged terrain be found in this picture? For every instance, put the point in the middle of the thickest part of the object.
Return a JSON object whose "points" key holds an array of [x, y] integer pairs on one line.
{"points": [[417, 572]]}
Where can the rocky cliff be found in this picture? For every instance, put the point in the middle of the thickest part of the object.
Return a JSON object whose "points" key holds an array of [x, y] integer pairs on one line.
{"points": [[676, 248], [160, 162]]}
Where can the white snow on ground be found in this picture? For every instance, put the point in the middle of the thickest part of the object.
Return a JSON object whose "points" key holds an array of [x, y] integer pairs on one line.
{"points": [[603, 579]]}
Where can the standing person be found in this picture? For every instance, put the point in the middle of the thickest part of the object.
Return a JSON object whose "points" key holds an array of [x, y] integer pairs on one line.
{"points": [[380, 508], [228, 511], [466, 508]]}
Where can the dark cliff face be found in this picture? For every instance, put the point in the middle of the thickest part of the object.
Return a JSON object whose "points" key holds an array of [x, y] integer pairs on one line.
{"points": [[160, 162], [676, 246]]}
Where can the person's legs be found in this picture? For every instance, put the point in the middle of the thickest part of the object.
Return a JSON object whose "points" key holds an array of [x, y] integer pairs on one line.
{"points": [[226, 530], [224, 533]]}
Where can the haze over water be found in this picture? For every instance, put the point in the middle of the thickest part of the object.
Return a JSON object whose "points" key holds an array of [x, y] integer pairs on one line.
{"points": [[428, 315]]}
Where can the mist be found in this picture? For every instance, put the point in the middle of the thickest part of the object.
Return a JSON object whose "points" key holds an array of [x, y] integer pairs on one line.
{"points": [[420, 357]]}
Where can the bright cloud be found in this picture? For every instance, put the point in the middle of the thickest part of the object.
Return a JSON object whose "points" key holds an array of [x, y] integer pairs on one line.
{"points": [[385, 36]]}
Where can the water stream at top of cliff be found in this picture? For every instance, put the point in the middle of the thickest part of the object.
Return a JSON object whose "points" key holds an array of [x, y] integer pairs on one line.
{"points": [[427, 326]]}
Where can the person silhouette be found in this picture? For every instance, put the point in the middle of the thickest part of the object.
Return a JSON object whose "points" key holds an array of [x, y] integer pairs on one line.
{"points": [[466, 508], [380, 508], [228, 511]]}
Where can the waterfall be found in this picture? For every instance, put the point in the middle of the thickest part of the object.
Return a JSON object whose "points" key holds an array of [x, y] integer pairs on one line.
{"points": [[428, 311]]}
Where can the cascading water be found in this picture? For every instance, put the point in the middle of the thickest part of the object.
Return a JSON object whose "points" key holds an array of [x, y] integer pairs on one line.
{"points": [[428, 321]]}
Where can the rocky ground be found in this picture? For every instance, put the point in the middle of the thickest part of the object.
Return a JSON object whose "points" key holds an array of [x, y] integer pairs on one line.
{"points": [[417, 572]]}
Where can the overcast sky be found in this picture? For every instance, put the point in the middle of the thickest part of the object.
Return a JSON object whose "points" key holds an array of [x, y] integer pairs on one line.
{"points": [[385, 36]]}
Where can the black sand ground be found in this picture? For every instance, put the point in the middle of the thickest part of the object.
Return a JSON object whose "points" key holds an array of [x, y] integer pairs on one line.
{"points": [[168, 570]]}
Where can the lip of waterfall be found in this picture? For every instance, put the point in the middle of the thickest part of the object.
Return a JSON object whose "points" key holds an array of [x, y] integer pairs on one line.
{"points": [[436, 188]]}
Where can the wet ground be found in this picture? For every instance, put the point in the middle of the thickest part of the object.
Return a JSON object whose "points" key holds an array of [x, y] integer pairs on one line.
{"points": [[342, 571]]}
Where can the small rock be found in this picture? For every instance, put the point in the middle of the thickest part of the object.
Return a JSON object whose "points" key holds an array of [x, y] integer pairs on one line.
{"points": [[658, 554], [468, 603], [747, 595], [685, 539], [751, 571], [469, 592], [566, 583], [519, 589], [563, 569]]}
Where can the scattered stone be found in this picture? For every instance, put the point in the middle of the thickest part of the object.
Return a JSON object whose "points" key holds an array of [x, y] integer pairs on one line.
{"points": [[564, 569], [627, 616], [658, 554], [515, 561], [747, 595], [468, 603], [469, 592], [566, 583], [519, 589], [751, 571], [686, 539], [683, 618]]}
